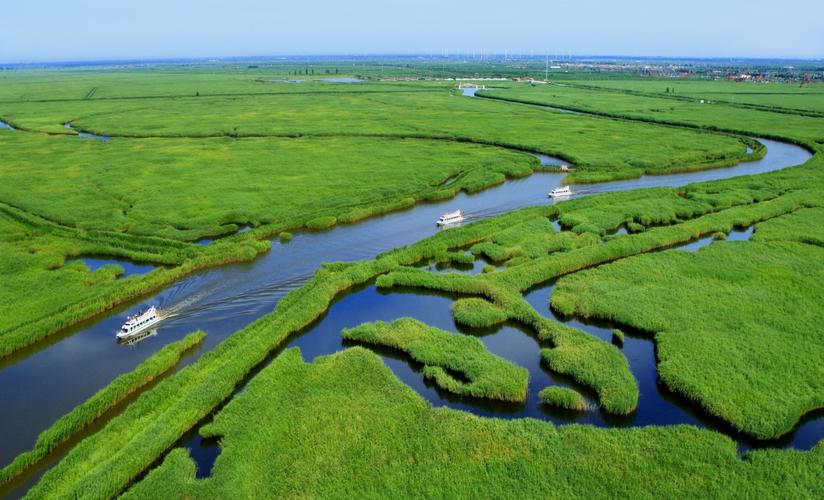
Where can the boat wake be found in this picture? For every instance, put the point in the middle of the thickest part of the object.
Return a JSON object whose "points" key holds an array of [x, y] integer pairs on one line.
{"points": [[264, 297]]}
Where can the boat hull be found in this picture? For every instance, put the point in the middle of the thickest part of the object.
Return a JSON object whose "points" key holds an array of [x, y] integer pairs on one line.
{"points": [[560, 194], [138, 331], [449, 222]]}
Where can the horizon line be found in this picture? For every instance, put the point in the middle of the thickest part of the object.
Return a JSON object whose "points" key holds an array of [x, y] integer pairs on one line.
{"points": [[431, 55]]}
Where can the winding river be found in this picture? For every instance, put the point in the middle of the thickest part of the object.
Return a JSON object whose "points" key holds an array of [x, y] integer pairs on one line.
{"points": [[42, 383]]}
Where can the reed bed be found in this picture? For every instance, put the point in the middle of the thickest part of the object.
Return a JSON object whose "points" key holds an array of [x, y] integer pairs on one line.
{"points": [[349, 417], [563, 397], [442, 353]]}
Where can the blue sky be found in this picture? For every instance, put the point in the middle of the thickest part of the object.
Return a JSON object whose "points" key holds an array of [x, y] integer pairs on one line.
{"points": [[59, 30]]}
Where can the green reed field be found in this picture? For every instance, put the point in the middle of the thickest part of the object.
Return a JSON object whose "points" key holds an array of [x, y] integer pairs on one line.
{"points": [[253, 151], [655, 107], [789, 98], [590, 143], [98, 467], [280, 157], [399, 445], [727, 302]]}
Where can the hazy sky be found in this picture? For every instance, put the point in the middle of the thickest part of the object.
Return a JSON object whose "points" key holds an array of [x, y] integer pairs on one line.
{"points": [[58, 30]]}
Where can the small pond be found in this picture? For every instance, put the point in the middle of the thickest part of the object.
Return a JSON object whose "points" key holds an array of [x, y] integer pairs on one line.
{"points": [[129, 267]]}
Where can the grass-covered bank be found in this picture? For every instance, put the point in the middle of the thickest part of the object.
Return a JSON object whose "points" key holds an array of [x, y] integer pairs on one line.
{"points": [[345, 426], [82, 416], [33, 251], [731, 344], [591, 143], [710, 116], [98, 465], [444, 354], [185, 189], [40, 235]]}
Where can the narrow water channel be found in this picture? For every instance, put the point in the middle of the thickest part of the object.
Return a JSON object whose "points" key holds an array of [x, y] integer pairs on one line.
{"points": [[86, 135], [220, 301]]}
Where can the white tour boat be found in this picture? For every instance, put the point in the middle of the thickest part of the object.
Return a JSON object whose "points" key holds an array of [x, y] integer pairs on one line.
{"points": [[560, 191], [139, 322], [451, 218]]}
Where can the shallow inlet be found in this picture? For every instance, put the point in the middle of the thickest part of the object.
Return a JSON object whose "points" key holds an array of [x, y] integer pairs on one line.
{"points": [[129, 268], [222, 300], [737, 234]]}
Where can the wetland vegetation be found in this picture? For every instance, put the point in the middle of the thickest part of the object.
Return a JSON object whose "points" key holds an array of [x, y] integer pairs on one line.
{"points": [[227, 157], [400, 444], [457, 363]]}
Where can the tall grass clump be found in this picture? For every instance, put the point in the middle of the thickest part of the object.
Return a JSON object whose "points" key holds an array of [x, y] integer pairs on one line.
{"points": [[562, 397], [324, 222], [477, 313], [487, 375]]}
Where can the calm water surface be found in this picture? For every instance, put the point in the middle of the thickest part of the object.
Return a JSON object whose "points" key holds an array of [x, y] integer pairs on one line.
{"points": [[129, 267]]}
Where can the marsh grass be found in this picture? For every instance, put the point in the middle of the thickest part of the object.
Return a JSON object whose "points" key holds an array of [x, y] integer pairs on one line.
{"points": [[563, 397], [340, 427], [585, 358], [378, 409], [477, 313], [730, 329], [487, 375]]}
